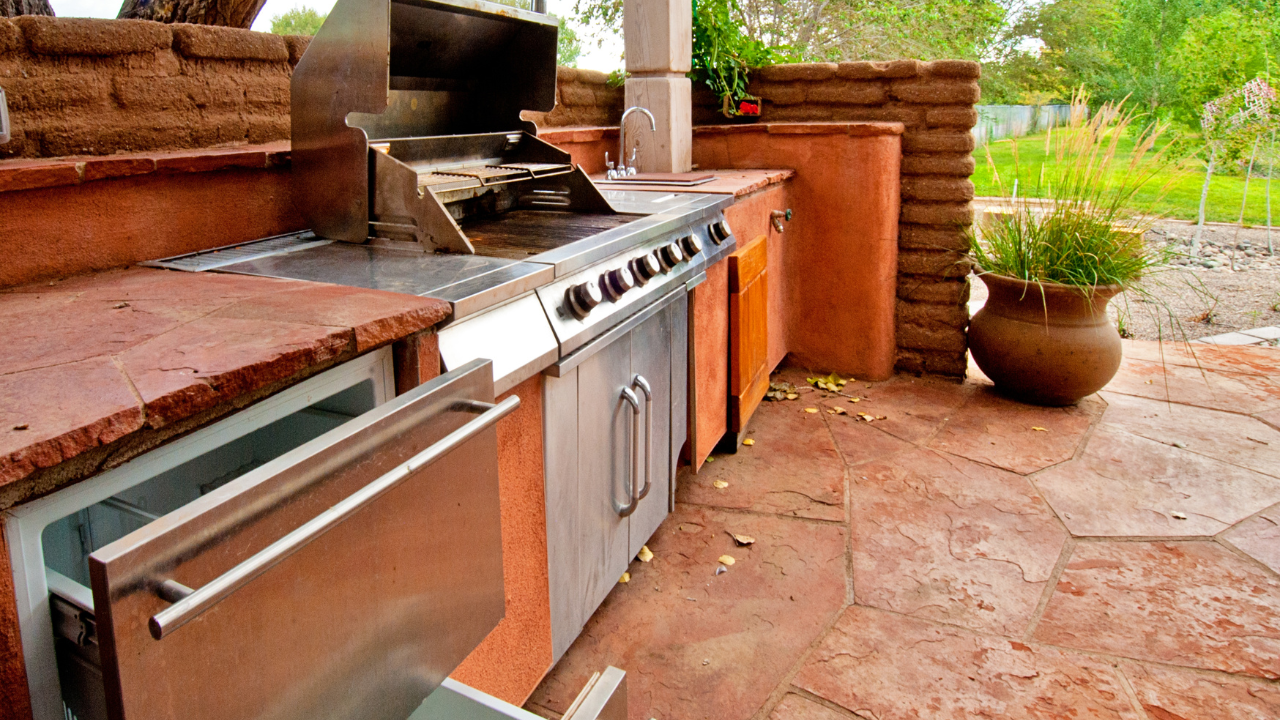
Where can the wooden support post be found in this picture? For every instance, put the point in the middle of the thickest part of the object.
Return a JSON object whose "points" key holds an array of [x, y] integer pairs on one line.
{"points": [[659, 44]]}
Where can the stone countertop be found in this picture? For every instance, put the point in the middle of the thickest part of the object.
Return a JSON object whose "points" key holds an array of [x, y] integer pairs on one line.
{"points": [[97, 369], [728, 182]]}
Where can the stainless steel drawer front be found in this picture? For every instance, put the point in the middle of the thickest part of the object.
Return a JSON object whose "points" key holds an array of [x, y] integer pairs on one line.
{"points": [[345, 579]]}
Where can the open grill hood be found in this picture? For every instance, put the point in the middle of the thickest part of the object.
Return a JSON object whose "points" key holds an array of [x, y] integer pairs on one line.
{"points": [[406, 119]]}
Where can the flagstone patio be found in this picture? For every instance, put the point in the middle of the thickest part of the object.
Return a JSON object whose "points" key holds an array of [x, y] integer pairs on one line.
{"points": [[965, 556]]}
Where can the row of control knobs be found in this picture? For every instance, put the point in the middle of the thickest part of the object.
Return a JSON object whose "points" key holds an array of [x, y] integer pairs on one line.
{"points": [[584, 297]]}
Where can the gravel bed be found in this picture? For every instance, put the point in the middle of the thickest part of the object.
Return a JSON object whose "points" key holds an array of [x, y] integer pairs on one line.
{"points": [[1201, 290]]}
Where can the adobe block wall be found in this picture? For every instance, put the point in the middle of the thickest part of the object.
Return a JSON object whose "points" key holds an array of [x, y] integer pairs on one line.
{"points": [[583, 98], [98, 87], [935, 101]]}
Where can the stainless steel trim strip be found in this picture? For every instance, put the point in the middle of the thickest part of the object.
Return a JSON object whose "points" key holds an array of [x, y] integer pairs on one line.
{"points": [[191, 606], [695, 281], [575, 359]]}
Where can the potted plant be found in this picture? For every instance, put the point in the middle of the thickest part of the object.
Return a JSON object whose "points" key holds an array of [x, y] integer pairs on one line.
{"points": [[723, 57], [1052, 267]]}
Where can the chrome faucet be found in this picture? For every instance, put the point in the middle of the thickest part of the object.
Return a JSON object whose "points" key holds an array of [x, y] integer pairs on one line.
{"points": [[622, 169]]}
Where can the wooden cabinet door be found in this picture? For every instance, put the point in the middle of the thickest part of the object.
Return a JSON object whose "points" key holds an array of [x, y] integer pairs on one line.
{"points": [[748, 331]]}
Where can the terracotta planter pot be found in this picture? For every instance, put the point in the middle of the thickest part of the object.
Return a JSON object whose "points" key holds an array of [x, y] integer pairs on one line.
{"points": [[1045, 343]]}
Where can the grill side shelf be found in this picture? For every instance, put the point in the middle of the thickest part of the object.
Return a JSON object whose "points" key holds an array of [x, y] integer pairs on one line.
{"points": [[206, 260]]}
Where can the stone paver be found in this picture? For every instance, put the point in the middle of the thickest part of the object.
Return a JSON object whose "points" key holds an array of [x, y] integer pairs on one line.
{"points": [[793, 468], [1194, 604], [996, 431], [882, 665], [1128, 486], [1229, 437], [1259, 537], [943, 538], [1169, 694], [1217, 390], [700, 645], [962, 593]]}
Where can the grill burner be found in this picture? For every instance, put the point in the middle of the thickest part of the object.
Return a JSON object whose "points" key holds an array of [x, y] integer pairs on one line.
{"points": [[519, 234]]}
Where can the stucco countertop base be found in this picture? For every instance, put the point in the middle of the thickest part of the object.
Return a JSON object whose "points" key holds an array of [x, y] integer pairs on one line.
{"points": [[98, 368]]}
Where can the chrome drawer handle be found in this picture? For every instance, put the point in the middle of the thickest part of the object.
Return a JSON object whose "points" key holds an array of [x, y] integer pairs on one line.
{"points": [[643, 384], [630, 506], [191, 603]]}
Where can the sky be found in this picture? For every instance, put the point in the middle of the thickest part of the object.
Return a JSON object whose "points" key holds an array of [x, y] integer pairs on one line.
{"points": [[606, 58]]}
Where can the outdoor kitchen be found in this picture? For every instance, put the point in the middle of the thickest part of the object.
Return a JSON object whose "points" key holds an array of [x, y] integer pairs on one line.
{"points": [[396, 372]]}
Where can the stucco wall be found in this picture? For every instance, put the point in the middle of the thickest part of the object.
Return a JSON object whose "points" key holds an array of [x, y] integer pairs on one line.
{"points": [[935, 101]]}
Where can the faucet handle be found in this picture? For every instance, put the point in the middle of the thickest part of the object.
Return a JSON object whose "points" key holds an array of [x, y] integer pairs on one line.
{"points": [[631, 168]]}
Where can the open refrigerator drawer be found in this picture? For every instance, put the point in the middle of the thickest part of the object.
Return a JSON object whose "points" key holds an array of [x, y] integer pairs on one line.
{"points": [[329, 552]]}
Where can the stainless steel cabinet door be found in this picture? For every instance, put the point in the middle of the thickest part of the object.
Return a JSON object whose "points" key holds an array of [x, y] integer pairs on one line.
{"points": [[344, 579], [651, 380], [608, 413]]}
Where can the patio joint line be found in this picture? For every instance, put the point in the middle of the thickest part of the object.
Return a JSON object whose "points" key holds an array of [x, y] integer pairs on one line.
{"points": [[784, 685], [1226, 544], [1129, 692], [1211, 458], [1050, 587], [750, 511]]}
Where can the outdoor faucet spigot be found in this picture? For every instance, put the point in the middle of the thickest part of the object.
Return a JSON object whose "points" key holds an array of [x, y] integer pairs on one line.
{"points": [[623, 169], [777, 216]]}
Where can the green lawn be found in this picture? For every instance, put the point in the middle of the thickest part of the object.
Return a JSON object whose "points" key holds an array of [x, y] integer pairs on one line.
{"points": [[1182, 201]]}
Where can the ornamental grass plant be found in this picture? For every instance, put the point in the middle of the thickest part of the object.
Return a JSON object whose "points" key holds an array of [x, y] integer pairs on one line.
{"points": [[1077, 222]]}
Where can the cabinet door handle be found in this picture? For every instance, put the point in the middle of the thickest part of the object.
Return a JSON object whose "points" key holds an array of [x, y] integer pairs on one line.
{"points": [[630, 506], [643, 384]]}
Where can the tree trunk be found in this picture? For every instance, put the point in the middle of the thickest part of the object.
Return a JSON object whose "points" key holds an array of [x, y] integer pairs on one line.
{"points": [[228, 13], [14, 8], [1204, 196]]}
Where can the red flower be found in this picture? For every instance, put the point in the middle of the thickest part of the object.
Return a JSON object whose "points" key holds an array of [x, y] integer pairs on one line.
{"points": [[748, 108]]}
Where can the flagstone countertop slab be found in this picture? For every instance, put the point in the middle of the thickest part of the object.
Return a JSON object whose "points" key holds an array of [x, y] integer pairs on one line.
{"points": [[98, 368]]}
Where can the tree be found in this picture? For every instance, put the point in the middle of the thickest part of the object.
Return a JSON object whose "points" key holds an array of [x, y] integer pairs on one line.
{"points": [[14, 8], [568, 49], [1216, 54], [228, 13], [298, 21]]}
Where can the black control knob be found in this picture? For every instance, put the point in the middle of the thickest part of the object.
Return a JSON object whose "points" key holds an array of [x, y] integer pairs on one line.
{"points": [[644, 268], [582, 298], [691, 245], [719, 231], [616, 282], [670, 256]]}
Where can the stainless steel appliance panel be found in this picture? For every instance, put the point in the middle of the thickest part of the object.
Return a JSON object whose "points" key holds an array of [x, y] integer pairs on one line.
{"points": [[651, 372], [680, 353], [606, 444], [515, 336], [344, 579], [564, 521]]}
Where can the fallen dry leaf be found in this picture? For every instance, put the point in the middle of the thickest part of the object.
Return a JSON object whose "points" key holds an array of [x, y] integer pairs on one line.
{"points": [[626, 578], [719, 484], [727, 560], [1038, 428], [748, 442], [1178, 516], [711, 458], [742, 539], [855, 399], [645, 554], [811, 410], [792, 396]]}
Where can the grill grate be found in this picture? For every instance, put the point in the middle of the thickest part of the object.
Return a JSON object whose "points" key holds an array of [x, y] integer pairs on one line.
{"points": [[205, 260]]}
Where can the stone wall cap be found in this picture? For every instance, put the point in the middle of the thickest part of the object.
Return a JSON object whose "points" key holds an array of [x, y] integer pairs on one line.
{"points": [[223, 43], [579, 133], [863, 129], [297, 45], [591, 77], [33, 174], [91, 36]]}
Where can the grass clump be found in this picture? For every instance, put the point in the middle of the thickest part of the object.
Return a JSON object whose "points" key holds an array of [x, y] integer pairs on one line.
{"points": [[1086, 227]]}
